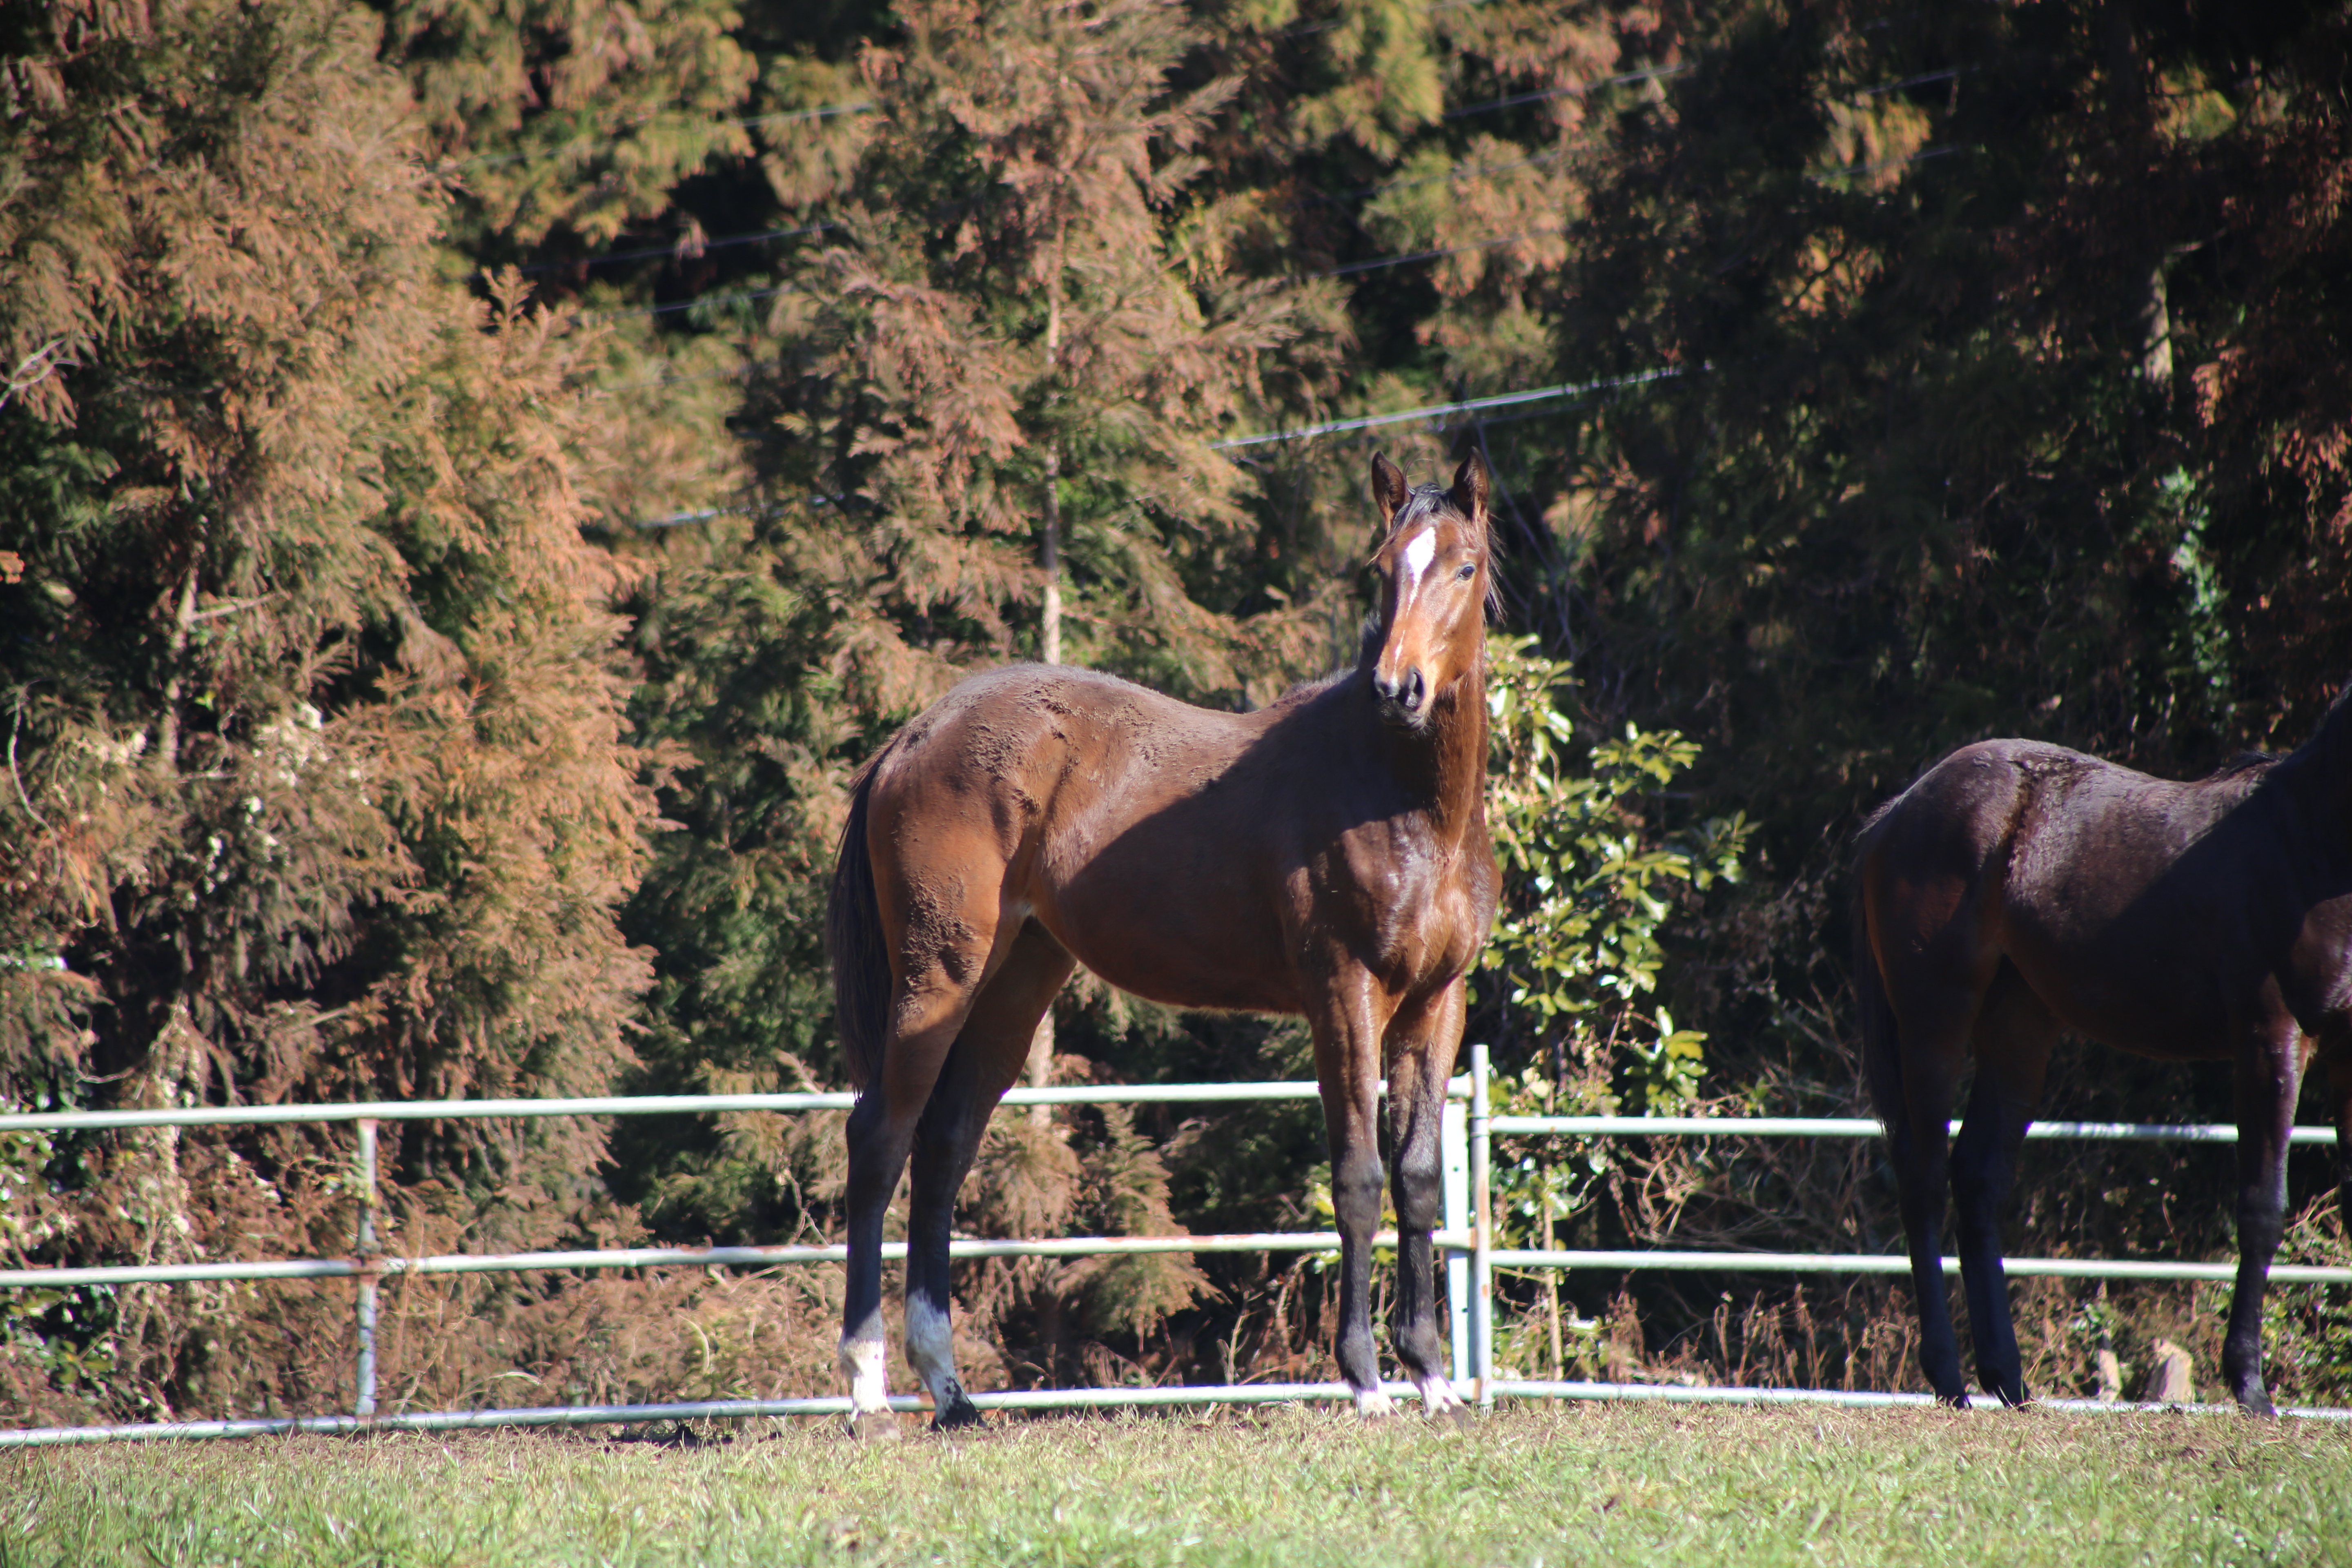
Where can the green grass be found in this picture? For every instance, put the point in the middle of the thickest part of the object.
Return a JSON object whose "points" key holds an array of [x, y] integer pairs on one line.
{"points": [[1283, 1487]]}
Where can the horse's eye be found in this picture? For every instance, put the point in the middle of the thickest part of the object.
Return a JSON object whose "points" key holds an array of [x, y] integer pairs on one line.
{"points": [[1469, 570]]}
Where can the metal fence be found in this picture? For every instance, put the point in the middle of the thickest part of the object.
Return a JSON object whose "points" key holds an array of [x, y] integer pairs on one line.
{"points": [[1465, 1237]]}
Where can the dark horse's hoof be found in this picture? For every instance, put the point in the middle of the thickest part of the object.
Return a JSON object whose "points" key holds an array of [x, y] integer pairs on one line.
{"points": [[957, 1414], [873, 1426], [2258, 1404]]}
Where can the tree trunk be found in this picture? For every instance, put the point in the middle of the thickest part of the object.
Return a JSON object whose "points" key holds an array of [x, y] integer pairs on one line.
{"points": [[1049, 630], [2155, 331], [1049, 633]]}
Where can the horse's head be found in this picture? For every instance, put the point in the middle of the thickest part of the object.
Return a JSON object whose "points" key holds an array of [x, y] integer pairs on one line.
{"points": [[1433, 566]]}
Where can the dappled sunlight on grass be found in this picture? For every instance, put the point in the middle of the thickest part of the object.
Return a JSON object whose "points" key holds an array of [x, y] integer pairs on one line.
{"points": [[1275, 1487]]}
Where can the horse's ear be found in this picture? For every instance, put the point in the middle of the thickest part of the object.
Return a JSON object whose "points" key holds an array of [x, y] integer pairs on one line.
{"points": [[1469, 492], [1388, 487]]}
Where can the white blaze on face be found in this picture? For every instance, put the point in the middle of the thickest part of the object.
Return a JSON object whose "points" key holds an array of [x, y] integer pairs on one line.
{"points": [[1418, 551]]}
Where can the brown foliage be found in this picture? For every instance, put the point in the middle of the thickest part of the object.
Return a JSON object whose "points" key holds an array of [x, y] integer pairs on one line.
{"points": [[318, 780]]}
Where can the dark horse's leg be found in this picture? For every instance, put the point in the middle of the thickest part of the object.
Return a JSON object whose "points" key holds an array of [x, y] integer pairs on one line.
{"points": [[2270, 1074], [986, 1060], [878, 1137], [1915, 1067], [2013, 1035], [924, 1020], [2335, 1064], [1422, 1044], [1348, 1032]]}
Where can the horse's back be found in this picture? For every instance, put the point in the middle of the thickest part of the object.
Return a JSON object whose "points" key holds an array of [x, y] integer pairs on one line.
{"points": [[1992, 797], [1148, 836], [2131, 905], [1023, 723]]}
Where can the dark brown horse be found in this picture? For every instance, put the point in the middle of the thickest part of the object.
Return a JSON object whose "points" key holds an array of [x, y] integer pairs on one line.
{"points": [[1326, 856], [2018, 889]]}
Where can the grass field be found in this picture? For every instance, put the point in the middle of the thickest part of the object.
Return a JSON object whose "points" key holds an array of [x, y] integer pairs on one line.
{"points": [[1618, 1485]]}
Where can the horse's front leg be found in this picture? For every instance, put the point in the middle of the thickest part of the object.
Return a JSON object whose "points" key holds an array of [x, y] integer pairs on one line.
{"points": [[1422, 1042], [2336, 1065], [2269, 1075], [1348, 1025]]}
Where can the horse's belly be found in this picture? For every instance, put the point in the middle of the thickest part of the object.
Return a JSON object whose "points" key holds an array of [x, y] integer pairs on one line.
{"points": [[2172, 1011], [1186, 931], [1185, 968]]}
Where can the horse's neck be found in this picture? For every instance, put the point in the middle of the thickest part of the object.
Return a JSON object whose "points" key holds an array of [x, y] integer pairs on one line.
{"points": [[1445, 765], [2325, 762]]}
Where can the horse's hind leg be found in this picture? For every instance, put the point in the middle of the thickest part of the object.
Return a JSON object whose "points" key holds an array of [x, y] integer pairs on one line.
{"points": [[2013, 1035], [2270, 1075], [1421, 1045], [881, 1131], [1915, 1067], [987, 1058], [939, 967]]}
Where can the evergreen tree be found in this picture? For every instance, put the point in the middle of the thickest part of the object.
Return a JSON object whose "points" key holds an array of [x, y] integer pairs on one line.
{"points": [[569, 121], [317, 787]]}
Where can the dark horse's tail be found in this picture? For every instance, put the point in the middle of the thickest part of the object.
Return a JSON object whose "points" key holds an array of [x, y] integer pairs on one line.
{"points": [[853, 941], [1881, 1053]]}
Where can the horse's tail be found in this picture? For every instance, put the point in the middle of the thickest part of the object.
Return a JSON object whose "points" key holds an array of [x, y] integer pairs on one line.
{"points": [[1882, 1052], [853, 941]]}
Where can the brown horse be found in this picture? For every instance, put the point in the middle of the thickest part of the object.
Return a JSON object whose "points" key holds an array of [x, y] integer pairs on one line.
{"points": [[2016, 890], [1326, 856]]}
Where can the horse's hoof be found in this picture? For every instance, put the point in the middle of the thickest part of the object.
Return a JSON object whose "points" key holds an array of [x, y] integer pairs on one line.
{"points": [[1374, 1405], [1953, 1401], [958, 1414], [873, 1426], [2258, 1404], [1453, 1419]]}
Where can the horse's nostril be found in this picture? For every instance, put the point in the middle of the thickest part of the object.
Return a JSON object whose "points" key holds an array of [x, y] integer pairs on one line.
{"points": [[1408, 690]]}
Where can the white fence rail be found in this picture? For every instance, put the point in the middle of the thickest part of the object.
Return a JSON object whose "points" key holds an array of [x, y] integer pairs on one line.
{"points": [[1466, 1238]]}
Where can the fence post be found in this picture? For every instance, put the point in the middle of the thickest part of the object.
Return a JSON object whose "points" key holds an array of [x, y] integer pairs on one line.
{"points": [[363, 1402], [1453, 1158], [1482, 1235]]}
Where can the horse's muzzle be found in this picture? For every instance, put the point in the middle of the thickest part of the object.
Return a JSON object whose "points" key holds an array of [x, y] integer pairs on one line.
{"points": [[1403, 700]]}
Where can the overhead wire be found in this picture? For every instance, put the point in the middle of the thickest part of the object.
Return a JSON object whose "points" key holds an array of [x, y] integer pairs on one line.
{"points": [[1379, 263], [687, 304], [1435, 411], [1472, 405], [699, 246], [1575, 90], [1460, 172], [1439, 410], [490, 160]]}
